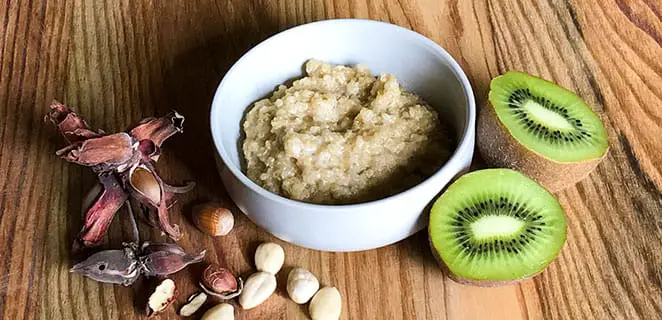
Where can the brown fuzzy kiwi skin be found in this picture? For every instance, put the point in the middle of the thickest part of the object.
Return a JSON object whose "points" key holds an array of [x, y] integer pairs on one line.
{"points": [[500, 149], [467, 281]]}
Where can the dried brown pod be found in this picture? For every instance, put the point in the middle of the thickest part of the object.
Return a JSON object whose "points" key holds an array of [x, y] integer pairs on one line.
{"points": [[72, 127], [98, 218], [158, 130], [111, 266], [126, 265], [166, 258], [124, 162], [105, 153]]}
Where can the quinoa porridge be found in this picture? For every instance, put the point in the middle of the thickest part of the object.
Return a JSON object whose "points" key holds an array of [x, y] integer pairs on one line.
{"points": [[341, 135]]}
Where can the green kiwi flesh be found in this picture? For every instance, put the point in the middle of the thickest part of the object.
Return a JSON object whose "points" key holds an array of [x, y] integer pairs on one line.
{"points": [[547, 119], [496, 226]]}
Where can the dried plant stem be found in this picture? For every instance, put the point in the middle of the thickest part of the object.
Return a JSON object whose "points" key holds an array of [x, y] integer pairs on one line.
{"points": [[134, 225]]}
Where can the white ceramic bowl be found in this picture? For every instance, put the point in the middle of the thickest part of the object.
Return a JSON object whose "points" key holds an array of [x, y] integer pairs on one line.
{"points": [[420, 65]]}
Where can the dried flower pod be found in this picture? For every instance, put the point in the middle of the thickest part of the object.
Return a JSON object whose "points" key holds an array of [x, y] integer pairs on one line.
{"points": [[213, 219], [164, 294], [167, 259], [159, 129], [98, 218], [125, 266], [148, 247], [220, 282], [72, 127], [110, 266], [124, 163], [105, 153], [148, 188]]}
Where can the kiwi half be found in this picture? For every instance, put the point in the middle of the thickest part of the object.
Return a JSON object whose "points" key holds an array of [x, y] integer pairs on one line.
{"points": [[496, 226], [540, 129]]}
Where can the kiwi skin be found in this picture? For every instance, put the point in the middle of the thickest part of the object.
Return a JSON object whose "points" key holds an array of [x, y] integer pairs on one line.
{"points": [[500, 149], [467, 281]]}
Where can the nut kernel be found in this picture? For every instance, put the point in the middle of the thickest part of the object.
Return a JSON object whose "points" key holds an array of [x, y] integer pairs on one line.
{"points": [[269, 257], [223, 311], [164, 294], [301, 285], [326, 304], [258, 287], [194, 303]]}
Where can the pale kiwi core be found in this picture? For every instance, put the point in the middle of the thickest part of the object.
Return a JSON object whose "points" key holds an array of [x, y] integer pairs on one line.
{"points": [[493, 226], [542, 114]]}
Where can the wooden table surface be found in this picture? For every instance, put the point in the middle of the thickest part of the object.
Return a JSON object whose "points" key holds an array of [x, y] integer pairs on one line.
{"points": [[118, 61]]}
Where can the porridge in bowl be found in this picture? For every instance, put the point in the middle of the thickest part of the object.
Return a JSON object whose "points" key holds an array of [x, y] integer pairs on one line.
{"points": [[340, 135]]}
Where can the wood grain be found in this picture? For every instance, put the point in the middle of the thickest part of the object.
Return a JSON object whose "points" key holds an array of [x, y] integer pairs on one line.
{"points": [[119, 61]]}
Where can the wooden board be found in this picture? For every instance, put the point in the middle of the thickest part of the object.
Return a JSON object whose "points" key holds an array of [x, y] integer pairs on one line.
{"points": [[118, 61]]}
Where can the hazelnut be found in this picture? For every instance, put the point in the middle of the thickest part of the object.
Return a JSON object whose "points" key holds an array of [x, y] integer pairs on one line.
{"points": [[220, 282], [213, 219]]}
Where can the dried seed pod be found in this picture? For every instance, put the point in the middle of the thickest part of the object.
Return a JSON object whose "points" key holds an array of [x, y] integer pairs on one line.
{"points": [[326, 304], [259, 286], [125, 266], [102, 153], [213, 219], [194, 303], [98, 218], [148, 189], [110, 266], [158, 130], [269, 257], [148, 247], [166, 258], [126, 158], [164, 294], [223, 311], [301, 285], [220, 282], [72, 127]]}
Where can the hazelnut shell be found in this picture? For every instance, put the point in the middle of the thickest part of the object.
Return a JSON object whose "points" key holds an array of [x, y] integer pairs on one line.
{"points": [[213, 219]]}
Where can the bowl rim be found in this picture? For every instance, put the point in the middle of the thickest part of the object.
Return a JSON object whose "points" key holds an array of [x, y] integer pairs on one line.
{"points": [[465, 142]]}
